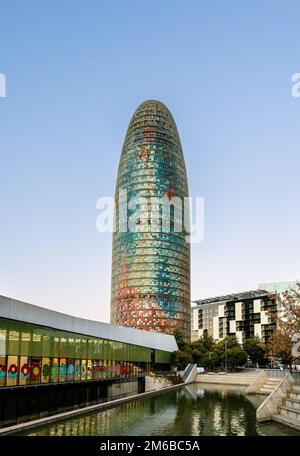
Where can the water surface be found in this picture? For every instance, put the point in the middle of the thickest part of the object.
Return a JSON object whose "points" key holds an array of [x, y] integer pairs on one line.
{"points": [[193, 410]]}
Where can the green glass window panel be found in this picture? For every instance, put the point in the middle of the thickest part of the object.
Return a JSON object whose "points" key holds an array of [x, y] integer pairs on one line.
{"points": [[100, 349], [78, 347], [25, 343], [3, 348], [117, 355], [36, 345], [104, 349], [46, 345], [162, 356], [83, 348], [110, 350], [90, 348], [56, 346], [70, 347], [30, 340], [95, 349], [13, 342], [63, 346]]}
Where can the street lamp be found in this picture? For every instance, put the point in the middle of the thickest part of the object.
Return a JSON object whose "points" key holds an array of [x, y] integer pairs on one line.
{"points": [[225, 356]]}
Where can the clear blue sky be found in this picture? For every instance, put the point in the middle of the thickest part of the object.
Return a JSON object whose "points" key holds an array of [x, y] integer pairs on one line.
{"points": [[76, 70]]}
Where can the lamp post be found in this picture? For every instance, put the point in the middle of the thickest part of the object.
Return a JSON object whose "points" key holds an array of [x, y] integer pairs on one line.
{"points": [[225, 356]]}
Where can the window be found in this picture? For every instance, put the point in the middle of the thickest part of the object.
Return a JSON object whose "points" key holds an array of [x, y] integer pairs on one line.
{"points": [[25, 371], [12, 370], [45, 370], [36, 370], [63, 370], [54, 370], [2, 370]]}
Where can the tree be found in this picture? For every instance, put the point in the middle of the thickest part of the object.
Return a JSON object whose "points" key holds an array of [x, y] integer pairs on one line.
{"points": [[255, 349], [181, 359], [230, 342], [229, 349], [287, 322], [207, 341], [179, 339], [236, 357]]}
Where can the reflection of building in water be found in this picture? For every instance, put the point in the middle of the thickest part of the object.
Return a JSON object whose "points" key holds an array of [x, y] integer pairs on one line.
{"points": [[143, 417], [192, 391], [215, 413], [171, 414]]}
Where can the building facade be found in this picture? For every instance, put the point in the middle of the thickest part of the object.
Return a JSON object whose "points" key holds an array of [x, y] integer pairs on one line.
{"points": [[244, 315], [43, 347], [151, 259], [278, 288], [202, 320]]}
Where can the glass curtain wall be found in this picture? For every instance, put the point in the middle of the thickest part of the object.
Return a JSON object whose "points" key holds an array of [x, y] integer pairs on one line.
{"points": [[31, 355]]}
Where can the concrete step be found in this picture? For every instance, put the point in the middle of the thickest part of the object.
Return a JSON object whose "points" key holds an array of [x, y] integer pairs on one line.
{"points": [[293, 395], [269, 385], [265, 390], [290, 402], [227, 379], [291, 412], [287, 421], [296, 389], [274, 380]]}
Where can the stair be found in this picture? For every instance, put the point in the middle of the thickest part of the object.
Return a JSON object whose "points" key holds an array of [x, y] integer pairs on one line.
{"points": [[269, 386], [296, 390], [287, 421], [242, 379], [289, 411]]}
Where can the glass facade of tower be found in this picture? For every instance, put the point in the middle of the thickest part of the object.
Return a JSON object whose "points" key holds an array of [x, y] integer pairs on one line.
{"points": [[151, 265]]}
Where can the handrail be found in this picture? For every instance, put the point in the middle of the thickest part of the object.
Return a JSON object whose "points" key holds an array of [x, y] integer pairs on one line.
{"points": [[188, 371], [258, 381]]}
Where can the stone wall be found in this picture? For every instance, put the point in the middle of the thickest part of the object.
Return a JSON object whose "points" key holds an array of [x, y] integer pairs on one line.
{"points": [[122, 389], [156, 383]]}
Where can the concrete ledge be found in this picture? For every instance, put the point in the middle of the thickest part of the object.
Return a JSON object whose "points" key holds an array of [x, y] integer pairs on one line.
{"points": [[18, 428]]}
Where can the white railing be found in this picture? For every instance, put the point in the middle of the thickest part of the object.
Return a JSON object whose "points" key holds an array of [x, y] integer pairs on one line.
{"points": [[189, 373], [257, 383]]}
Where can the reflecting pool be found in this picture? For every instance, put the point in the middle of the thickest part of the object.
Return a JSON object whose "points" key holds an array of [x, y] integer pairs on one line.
{"points": [[193, 410]]}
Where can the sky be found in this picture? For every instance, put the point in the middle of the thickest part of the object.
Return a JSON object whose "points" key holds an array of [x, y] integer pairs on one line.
{"points": [[76, 71]]}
